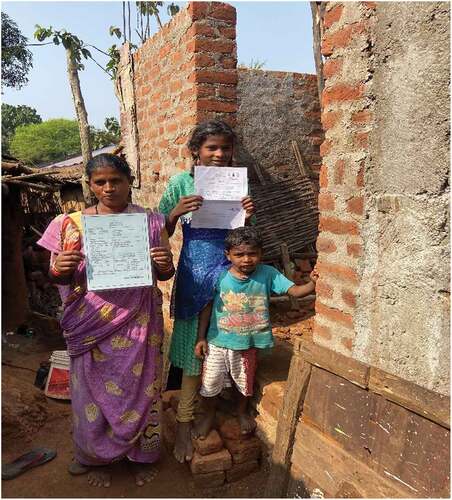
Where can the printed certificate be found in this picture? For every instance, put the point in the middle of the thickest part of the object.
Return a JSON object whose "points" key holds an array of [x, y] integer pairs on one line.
{"points": [[117, 251], [222, 189]]}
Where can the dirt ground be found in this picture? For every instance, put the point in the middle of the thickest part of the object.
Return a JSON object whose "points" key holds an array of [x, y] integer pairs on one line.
{"points": [[31, 420]]}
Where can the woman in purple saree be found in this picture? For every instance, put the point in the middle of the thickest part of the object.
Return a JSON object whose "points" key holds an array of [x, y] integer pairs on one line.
{"points": [[113, 338]]}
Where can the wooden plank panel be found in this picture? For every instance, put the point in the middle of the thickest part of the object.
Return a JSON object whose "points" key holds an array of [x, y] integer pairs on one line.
{"points": [[351, 369], [319, 460], [340, 409], [410, 450], [422, 401], [297, 383]]}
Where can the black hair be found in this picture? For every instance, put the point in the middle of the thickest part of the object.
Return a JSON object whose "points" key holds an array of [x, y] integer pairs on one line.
{"points": [[243, 236], [108, 160], [204, 130]]}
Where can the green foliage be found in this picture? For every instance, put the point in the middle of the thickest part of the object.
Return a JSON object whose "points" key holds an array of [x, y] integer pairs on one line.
{"points": [[110, 135], [254, 64], [68, 40], [16, 59], [12, 117], [51, 140]]}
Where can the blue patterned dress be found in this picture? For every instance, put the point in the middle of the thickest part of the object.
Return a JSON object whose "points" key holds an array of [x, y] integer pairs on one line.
{"points": [[201, 261]]}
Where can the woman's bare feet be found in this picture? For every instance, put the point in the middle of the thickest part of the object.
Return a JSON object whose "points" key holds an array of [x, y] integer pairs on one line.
{"points": [[202, 428], [77, 469], [183, 449], [144, 473], [247, 424], [99, 476]]}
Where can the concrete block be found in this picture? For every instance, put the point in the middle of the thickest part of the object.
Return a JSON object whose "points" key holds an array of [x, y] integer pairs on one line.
{"points": [[201, 464], [243, 450], [211, 444], [239, 471]]}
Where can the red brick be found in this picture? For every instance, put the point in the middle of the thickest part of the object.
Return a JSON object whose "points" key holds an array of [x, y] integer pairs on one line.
{"points": [[219, 106], [201, 464], [341, 38], [361, 140], [207, 45], [210, 479], [223, 12], [243, 450], [323, 290], [313, 115], [332, 15], [334, 314], [362, 116], [230, 429], [205, 76], [211, 444], [202, 60], [323, 176], [342, 92], [331, 67], [322, 331], [198, 10], [338, 226], [347, 343], [344, 273], [330, 118], [325, 245], [339, 171], [349, 298], [205, 91], [227, 92], [164, 51], [354, 249], [200, 28], [175, 86], [239, 471], [228, 32], [356, 205], [325, 147], [326, 201], [228, 62], [360, 177]]}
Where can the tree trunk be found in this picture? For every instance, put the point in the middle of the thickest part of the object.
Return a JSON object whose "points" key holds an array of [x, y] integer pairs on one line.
{"points": [[82, 118], [318, 10]]}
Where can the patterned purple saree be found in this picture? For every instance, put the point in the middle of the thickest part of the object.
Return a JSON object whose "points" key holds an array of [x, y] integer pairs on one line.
{"points": [[114, 340]]}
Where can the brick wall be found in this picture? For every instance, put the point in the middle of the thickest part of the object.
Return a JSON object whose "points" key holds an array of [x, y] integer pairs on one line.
{"points": [[346, 117], [383, 291], [276, 107]]}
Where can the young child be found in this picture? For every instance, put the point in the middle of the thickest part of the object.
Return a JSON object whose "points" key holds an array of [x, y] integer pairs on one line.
{"points": [[237, 323], [201, 261]]}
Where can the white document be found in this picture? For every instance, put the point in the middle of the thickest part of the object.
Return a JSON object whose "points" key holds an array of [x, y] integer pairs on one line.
{"points": [[117, 251], [222, 189]]}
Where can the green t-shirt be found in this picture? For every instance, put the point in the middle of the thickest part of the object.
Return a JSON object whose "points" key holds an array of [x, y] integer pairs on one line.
{"points": [[240, 314]]}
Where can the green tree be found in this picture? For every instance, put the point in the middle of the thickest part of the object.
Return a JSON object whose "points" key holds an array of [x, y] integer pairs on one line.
{"points": [[12, 117], [17, 60], [51, 140], [105, 137]]}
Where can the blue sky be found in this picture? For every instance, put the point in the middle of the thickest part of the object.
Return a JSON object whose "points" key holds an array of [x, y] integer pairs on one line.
{"points": [[279, 33]]}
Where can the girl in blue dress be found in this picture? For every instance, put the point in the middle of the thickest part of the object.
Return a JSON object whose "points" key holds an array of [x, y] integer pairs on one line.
{"points": [[201, 261]]}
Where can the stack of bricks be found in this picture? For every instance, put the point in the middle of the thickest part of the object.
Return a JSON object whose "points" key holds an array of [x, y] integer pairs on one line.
{"points": [[346, 118], [225, 455]]}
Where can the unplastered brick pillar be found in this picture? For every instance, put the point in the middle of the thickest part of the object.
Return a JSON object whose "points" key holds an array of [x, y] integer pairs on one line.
{"points": [[347, 120], [184, 74]]}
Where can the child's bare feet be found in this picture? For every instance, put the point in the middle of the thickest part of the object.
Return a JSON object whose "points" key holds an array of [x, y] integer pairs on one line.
{"points": [[247, 424], [144, 473], [202, 428], [183, 449], [100, 476]]}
